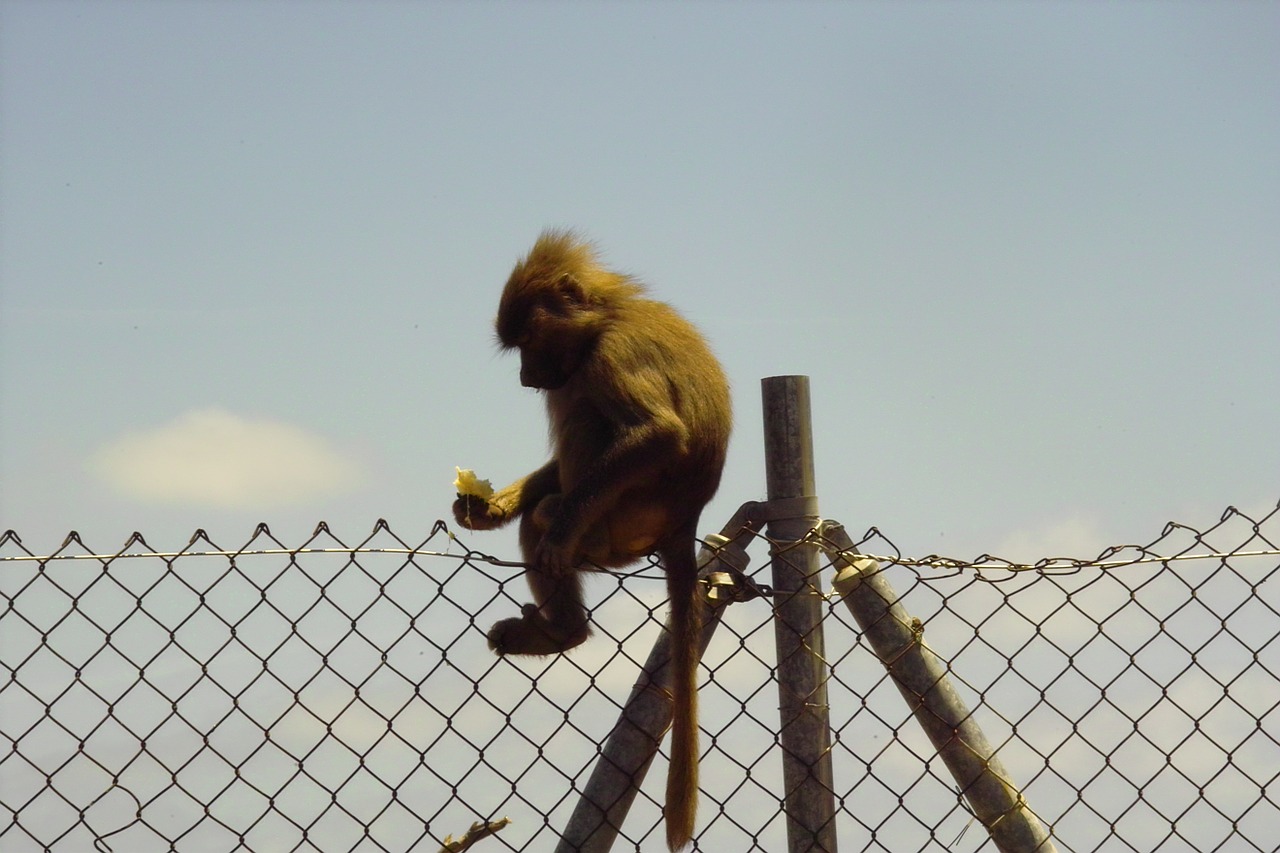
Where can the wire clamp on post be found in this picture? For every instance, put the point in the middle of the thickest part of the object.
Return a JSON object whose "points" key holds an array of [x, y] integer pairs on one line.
{"points": [[851, 567]]}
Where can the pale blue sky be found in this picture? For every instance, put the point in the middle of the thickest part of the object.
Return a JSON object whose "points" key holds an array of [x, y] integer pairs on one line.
{"points": [[1028, 253]]}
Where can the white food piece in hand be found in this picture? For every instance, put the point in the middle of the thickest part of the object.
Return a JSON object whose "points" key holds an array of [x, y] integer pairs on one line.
{"points": [[468, 484]]}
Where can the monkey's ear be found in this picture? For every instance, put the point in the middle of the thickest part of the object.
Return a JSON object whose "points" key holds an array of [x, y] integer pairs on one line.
{"points": [[571, 289]]}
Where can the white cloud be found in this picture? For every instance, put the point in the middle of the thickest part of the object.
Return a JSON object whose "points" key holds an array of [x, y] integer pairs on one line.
{"points": [[211, 457]]}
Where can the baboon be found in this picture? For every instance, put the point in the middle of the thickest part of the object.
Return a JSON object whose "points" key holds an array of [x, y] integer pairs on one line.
{"points": [[640, 418]]}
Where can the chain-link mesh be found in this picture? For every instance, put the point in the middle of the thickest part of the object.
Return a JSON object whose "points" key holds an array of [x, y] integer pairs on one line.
{"points": [[330, 696]]}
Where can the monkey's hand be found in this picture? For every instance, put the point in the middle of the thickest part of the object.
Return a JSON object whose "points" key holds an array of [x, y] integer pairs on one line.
{"points": [[477, 513]]}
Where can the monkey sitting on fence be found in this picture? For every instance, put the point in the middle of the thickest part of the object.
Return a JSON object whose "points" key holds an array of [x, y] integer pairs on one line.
{"points": [[640, 418]]}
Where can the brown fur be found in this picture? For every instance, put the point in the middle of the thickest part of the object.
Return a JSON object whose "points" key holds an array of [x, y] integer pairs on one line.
{"points": [[640, 417]]}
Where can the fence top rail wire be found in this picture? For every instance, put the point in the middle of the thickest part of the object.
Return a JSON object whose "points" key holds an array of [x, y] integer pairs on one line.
{"points": [[1053, 564], [250, 552]]}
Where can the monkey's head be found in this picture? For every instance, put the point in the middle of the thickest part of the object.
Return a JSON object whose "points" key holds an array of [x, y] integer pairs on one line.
{"points": [[552, 324], [557, 303]]}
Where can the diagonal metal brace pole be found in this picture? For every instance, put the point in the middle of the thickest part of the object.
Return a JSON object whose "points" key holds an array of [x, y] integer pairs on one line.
{"points": [[921, 677], [631, 746]]}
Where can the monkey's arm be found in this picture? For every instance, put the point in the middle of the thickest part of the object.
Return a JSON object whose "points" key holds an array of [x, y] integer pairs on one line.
{"points": [[505, 505]]}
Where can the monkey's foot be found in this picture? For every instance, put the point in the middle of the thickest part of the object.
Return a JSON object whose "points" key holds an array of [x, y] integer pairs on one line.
{"points": [[533, 634]]}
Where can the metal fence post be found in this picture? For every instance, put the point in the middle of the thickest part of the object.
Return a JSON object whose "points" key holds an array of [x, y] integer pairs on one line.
{"points": [[805, 733]]}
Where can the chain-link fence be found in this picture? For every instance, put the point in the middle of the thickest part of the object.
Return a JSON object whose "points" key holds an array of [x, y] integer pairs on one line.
{"points": [[331, 695]]}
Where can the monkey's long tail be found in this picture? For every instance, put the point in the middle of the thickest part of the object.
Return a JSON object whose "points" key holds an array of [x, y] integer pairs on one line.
{"points": [[686, 631]]}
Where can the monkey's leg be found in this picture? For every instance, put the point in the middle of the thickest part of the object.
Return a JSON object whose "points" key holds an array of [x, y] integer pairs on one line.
{"points": [[557, 620]]}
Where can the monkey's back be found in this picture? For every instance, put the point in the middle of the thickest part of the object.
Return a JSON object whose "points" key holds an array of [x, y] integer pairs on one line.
{"points": [[649, 366]]}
